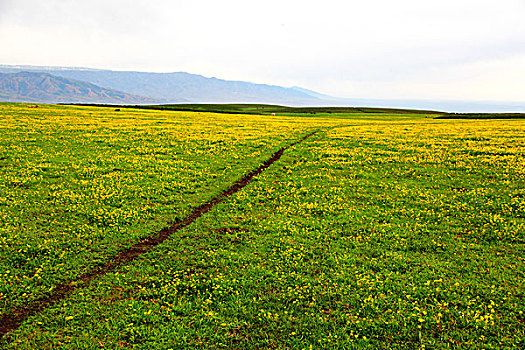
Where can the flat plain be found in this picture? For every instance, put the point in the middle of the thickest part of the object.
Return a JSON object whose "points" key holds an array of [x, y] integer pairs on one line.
{"points": [[380, 230]]}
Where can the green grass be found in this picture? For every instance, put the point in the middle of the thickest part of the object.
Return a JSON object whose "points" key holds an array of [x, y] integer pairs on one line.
{"points": [[482, 116], [262, 109], [394, 232], [79, 184]]}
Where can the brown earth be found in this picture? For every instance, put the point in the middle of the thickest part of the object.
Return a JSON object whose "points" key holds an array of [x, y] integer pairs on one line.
{"points": [[14, 319]]}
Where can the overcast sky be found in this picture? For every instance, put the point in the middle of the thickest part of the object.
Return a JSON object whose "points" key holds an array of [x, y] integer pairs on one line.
{"points": [[406, 49]]}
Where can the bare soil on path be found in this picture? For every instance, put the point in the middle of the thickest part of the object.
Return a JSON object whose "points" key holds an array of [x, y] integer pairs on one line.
{"points": [[14, 319]]}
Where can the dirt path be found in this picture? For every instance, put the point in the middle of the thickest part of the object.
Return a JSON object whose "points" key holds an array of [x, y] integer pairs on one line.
{"points": [[14, 319]]}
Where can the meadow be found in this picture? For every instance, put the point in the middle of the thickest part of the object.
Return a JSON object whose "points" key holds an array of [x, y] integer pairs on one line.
{"points": [[381, 230]]}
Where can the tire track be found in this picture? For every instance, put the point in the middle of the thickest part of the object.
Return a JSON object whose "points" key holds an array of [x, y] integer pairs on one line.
{"points": [[14, 319]]}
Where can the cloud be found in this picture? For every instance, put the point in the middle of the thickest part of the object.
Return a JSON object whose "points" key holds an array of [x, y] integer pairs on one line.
{"points": [[347, 43], [5, 8], [113, 17]]}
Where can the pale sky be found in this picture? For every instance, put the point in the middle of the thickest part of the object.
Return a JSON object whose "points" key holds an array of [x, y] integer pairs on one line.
{"points": [[405, 49]]}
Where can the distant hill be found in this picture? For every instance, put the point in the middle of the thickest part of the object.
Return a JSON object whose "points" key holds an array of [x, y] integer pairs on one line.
{"points": [[179, 87], [49, 88], [315, 94], [481, 116], [172, 88], [265, 109]]}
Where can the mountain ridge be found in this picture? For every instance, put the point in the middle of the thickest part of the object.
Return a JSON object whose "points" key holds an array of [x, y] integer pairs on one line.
{"points": [[48, 88], [182, 87], [177, 87]]}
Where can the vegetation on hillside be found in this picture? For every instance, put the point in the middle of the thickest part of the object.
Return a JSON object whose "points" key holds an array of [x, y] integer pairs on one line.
{"points": [[482, 116], [262, 109]]}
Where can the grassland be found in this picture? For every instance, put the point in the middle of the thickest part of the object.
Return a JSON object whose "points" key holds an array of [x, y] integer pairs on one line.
{"points": [[481, 116], [264, 109], [379, 231]]}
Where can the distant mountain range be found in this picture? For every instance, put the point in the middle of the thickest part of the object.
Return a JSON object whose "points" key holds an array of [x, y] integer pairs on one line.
{"points": [[85, 85], [61, 84], [48, 88]]}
